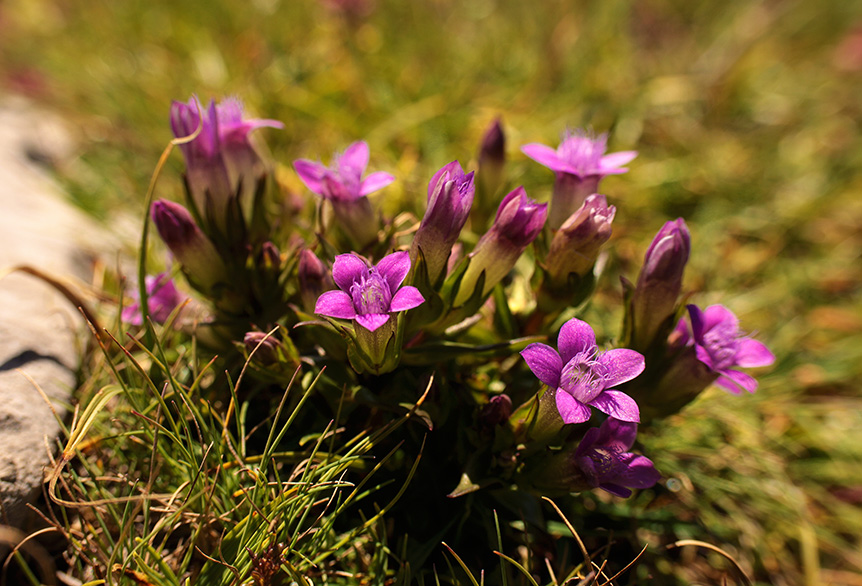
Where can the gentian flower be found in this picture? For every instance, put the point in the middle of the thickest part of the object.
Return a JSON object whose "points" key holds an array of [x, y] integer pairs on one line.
{"points": [[720, 345], [576, 245], [603, 458], [450, 195], [221, 158], [519, 220], [162, 299], [579, 163], [580, 376], [369, 295], [343, 186], [659, 285]]}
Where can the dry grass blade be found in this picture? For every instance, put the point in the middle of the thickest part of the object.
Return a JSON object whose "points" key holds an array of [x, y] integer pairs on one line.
{"points": [[572, 530], [716, 549], [22, 543]]}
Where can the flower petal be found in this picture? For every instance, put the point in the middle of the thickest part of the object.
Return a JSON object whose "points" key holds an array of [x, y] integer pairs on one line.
{"points": [[638, 471], [733, 381], [346, 269], [575, 337], [622, 365], [616, 489], [372, 321], [394, 268], [752, 353], [355, 158], [449, 170], [545, 155], [610, 164], [719, 314], [311, 174], [618, 405], [375, 181], [544, 362], [406, 298], [335, 304], [571, 410], [618, 434]]}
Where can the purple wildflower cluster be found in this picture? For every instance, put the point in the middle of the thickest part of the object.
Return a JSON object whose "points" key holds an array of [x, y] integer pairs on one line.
{"points": [[446, 295]]}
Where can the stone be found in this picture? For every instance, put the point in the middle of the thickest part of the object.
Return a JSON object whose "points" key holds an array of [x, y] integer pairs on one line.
{"points": [[41, 332]]}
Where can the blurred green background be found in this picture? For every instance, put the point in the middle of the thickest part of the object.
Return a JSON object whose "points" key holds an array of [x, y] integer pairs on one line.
{"points": [[746, 115]]}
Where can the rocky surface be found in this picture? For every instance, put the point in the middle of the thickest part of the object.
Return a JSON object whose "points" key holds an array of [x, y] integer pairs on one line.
{"points": [[40, 331]]}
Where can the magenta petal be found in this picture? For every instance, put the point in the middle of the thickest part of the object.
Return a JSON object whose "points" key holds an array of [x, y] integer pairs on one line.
{"points": [[571, 410], [697, 321], [545, 155], [311, 174], [346, 269], [575, 337], [719, 314], [733, 381], [356, 157], [752, 353], [372, 321], [375, 181], [618, 405], [639, 471], [406, 298], [453, 168], [618, 434], [544, 362], [394, 268], [614, 161], [622, 365], [335, 304]]}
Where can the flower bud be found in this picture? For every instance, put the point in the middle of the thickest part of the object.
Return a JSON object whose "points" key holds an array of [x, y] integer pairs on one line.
{"points": [[654, 300], [519, 220], [262, 348], [314, 279], [450, 195], [576, 245], [490, 176], [194, 251], [496, 411]]}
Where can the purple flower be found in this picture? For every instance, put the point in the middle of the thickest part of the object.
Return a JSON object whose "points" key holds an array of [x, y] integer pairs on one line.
{"points": [[582, 376], [343, 186], [659, 284], [162, 299], [579, 163], [450, 195], [721, 346], [519, 220], [603, 459], [221, 157], [369, 294]]}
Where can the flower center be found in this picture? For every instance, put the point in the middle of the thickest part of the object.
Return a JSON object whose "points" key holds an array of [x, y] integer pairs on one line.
{"points": [[583, 152], [583, 377], [722, 345], [599, 464], [371, 293]]}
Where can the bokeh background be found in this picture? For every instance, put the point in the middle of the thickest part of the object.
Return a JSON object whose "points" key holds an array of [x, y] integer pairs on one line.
{"points": [[746, 115]]}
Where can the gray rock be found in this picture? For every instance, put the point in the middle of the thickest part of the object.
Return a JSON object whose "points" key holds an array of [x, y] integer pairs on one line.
{"points": [[40, 331]]}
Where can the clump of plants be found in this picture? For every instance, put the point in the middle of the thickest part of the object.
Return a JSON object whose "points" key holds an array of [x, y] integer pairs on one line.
{"points": [[315, 392]]}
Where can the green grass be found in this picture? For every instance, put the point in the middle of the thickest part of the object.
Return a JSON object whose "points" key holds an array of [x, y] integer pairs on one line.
{"points": [[746, 116]]}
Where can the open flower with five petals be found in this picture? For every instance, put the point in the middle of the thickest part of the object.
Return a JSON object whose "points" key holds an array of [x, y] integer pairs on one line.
{"points": [[605, 462], [369, 294], [581, 376], [720, 345]]}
